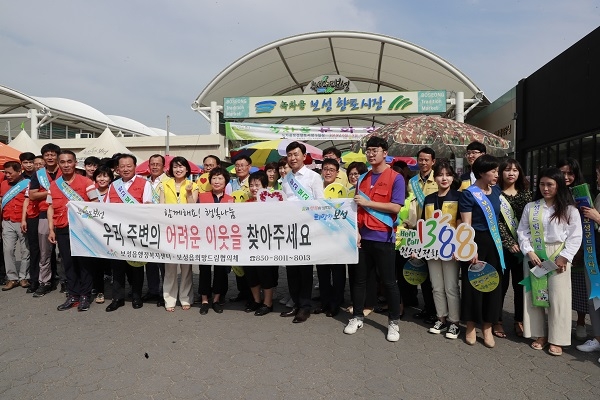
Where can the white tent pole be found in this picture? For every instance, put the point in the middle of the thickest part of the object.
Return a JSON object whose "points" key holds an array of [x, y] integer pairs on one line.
{"points": [[214, 118], [460, 107], [8, 127], [34, 123]]}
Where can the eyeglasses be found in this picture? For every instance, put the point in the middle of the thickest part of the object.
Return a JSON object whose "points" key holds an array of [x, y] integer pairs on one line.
{"points": [[242, 165], [332, 170], [353, 174], [372, 152], [473, 152]]}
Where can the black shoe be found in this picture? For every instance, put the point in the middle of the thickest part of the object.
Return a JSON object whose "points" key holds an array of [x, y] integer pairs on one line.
{"points": [[421, 315], [217, 307], [42, 290], [148, 297], [252, 306], [137, 303], [291, 313], [160, 302], [71, 302], [263, 310], [239, 297], [302, 316], [84, 303], [115, 304], [333, 313], [204, 308], [320, 310], [63, 287], [431, 319], [33, 287], [380, 310]]}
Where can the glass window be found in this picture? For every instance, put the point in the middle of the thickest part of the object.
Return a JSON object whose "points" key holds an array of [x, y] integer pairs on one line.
{"points": [[588, 166], [574, 149], [59, 131], [44, 132], [563, 151]]}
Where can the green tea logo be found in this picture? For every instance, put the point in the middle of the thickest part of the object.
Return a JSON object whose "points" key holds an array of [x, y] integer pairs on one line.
{"points": [[399, 102]]}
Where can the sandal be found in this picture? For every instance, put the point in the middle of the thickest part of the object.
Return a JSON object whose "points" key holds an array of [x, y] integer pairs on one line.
{"points": [[539, 344], [555, 350], [186, 307], [519, 329], [499, 333], [170, 309]]}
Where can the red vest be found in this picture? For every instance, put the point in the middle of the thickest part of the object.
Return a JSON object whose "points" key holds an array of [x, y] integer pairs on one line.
{"points": [[136, 190], [80, 184], [33, 209], [207, 197], [42, 205], [13, 209], [380, 192]]}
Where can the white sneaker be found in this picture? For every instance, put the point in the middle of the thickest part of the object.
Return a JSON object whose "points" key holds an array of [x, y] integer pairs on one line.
{"points": [[589, 346], [580, 332], [353, 325], [393, 334]]}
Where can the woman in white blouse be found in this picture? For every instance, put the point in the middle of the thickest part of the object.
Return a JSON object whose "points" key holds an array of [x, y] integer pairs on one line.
{"points": [[558, 239]]}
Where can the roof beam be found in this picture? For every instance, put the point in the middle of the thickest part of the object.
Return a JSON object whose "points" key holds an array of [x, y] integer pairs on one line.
{"points": [[287, 67], [337, 70]]}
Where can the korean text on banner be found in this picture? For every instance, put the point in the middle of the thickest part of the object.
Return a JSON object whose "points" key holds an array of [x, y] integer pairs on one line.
{"points": [[284, 233]]}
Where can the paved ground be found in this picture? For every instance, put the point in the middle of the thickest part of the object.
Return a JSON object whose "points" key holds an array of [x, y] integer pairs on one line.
{"points": [[98, 355]]}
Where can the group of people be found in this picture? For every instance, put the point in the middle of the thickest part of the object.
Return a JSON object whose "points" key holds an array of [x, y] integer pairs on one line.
{"points": [[514, 231]]}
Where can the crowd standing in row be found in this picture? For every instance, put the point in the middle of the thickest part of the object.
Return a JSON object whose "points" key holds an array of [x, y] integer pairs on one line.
{"points": [[35, 193]]}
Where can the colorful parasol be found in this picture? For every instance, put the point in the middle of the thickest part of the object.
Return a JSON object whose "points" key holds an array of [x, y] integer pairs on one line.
{"points": [[143, 168], [447, 137], [352, 156], [264, 152]]}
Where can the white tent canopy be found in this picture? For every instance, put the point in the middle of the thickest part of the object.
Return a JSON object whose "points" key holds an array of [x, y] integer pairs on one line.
{"points": [[24, 143], [104, 146]]}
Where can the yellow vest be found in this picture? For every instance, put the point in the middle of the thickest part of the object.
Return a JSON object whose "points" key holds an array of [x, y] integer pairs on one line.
{"points": [[171, 193]]}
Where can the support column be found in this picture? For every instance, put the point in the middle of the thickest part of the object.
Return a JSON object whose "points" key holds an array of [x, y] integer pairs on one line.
{"points": [[33, 117], [460, 107]]}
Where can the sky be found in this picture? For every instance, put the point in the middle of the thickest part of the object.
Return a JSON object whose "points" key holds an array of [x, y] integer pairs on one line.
{"points": [[148, 59]]}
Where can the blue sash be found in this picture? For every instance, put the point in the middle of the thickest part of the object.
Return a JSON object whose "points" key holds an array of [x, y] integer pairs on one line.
{"points": [[299, 190], [381, 216], [68, 190], [14, 191], [589, 250], [486, 206], [123, 194], [414, 184], [43, 178]]}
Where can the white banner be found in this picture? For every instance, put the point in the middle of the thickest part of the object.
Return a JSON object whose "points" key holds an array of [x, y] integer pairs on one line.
{"points": [[252, 131], [276, 233]]}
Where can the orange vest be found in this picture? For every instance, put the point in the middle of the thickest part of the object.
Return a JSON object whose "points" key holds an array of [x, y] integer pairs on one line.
{"points": [[13, 209], [59, 200], [380, 192], [207, 197], [136, 190]]}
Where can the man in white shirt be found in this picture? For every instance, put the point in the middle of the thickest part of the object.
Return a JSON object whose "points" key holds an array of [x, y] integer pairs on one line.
{"points": [[154, 271], [305, 185]]}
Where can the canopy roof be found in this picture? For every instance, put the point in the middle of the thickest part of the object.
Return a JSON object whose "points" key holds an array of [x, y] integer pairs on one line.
{"points": [[67, 112], [104, 146], [24, 143], [373, 62]]}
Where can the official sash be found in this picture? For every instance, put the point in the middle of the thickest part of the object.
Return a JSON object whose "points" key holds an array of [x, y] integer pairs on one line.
{"points": [[155, 194], [42, 176], [123, 194], [14, 191], [582, 196], [68, 190], [414, 184], [509, 216], [486, 206], [381, 216], [299, 190]]}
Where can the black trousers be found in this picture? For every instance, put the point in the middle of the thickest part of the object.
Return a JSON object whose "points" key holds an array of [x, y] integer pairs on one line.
{"points": [[378, 256], [408, 292], [332, 283], [78, 270], [98, 267], [135, 276], [219, 280], [34, 250], [153, 273], [300, 282], [514, 273], [263, 276]]}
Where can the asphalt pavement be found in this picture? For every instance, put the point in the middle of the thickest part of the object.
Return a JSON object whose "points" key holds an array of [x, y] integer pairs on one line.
{"points": [[153, 354]]}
